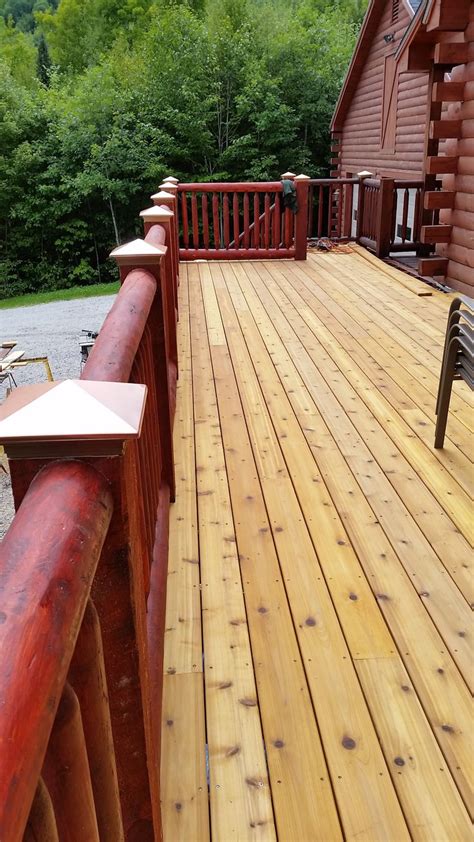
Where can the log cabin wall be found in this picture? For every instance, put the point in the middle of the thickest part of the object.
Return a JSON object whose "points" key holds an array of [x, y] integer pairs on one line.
{"points": [[395, 149], [460, 250]]}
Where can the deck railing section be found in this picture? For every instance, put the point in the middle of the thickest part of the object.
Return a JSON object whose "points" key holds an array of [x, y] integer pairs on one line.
{"points": [[241, 220], [389, 215], [330, 208], [406, 215], [84, 568]]}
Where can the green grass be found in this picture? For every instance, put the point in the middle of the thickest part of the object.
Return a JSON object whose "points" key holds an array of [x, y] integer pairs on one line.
{"points": [[58, 295]]}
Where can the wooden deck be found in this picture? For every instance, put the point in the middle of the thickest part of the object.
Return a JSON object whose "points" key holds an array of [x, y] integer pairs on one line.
{"points": [[317, 652]]}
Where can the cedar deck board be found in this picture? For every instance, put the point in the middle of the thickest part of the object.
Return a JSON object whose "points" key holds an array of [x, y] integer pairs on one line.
{"points": [[280, 371]]}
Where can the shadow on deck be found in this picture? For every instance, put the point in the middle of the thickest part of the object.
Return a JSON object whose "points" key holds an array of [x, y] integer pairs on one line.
{"points": [[318, 613]]}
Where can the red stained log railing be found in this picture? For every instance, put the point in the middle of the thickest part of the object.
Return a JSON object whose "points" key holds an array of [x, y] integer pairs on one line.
{"points": [[248, 221], [47, 559], [84, 567], [331, 208]]}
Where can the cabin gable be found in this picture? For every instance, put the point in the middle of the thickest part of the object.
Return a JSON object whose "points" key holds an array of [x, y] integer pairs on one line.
{"points": [[382, 128]]}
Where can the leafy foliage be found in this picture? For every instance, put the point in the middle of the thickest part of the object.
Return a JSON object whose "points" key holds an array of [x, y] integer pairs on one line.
{"points": [[100, 99]]}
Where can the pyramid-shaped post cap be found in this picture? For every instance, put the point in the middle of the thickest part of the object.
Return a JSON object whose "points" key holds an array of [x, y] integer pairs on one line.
{"points": [[302, 177], [138, 252], [364, 174], [288, 175], [171, 179], [169, 187], [162, 196], [157, 214], [40, 419]]}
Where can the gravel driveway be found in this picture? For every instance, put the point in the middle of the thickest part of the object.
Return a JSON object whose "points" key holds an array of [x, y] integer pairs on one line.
{"points": [[51, 330]]}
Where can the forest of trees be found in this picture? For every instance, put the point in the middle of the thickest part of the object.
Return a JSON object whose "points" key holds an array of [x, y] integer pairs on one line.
{"points": [[100, 99]]}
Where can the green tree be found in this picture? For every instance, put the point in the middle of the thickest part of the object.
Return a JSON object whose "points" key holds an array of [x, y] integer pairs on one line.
{"points": [[43, 64]]}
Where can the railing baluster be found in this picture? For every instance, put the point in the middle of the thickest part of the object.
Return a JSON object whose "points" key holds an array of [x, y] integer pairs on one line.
{"points": [[276, 222], [310, 210], [205, 221], [184, 218], [42, 825], [215, 220], [195, 220], [320, 211], [406, 199], [330, 211], [256, 220], [236, 221], [226, 221], [66, 774], [339, 202], [246, 221], [266, 222], [88, 679]]}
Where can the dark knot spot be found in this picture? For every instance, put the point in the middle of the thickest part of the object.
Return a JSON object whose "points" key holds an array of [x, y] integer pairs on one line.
{"points": [[310, 621], [348, 743], [224, 685], [232, 751], [235, 622], [462, 634], [448, 728], [256, 783], [353, 596], [169, 722], [262, 610], [178, 806], [424, 593], [399, 761], [248, 703], [440, 670], [171, 671], [405, 688], [278, 528], [249, 497], [278, 743], [382, 596]]}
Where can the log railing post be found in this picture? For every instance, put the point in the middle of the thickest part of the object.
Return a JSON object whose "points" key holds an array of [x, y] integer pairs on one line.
{"points": [[301, 221], [168, 196], [134, 257], [360, 203], [162, 215], [386, 198]]}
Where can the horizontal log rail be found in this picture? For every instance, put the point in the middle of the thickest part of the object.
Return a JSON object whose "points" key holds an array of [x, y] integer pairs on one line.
{"points": [[84, 568], [241, 220]]}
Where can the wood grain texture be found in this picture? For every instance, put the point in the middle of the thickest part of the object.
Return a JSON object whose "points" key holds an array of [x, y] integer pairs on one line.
{"points": [[332, 556]]}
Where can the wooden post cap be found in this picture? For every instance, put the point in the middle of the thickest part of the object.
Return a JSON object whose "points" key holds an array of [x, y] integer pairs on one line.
{"points": [[169, 187], [286, 175], [302, 177], [157, 214], [171, 179], [40, 420], [138, 252], [163, 196], [364, 174]]}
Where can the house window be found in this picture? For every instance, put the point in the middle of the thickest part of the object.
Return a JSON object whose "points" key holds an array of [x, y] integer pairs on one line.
{"points": [[395, 10]]}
